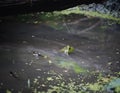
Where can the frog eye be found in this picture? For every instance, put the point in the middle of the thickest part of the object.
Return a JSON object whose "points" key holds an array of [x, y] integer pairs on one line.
{"points": [[69, 48]]}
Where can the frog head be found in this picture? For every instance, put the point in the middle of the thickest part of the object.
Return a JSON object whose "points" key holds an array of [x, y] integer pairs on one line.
{"points": [[67, 49]]}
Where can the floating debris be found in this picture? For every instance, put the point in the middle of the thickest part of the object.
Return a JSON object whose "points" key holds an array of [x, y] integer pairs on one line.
{"points": [[28, 83], [38, 77], [13, 74], [117, 53], [50, 79], [43, 85], [45, 56], [49, 61], [23, 70], [37, 55], [24, 42], [33, 36], [98, 57], [109, 63], [38, 69], [35, 81]]}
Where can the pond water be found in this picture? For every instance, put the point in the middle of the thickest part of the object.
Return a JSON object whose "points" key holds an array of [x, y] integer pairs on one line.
{"points": [[31, 61]]}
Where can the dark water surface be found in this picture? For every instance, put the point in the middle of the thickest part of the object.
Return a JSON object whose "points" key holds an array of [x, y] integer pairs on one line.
{"points": [[30, 53]]}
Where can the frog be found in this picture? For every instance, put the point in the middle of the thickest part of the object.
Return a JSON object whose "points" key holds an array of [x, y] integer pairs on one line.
{"points": [[67, 50]]}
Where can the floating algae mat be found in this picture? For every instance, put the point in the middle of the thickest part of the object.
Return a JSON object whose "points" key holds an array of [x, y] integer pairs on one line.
{"points": [[69, 65]]}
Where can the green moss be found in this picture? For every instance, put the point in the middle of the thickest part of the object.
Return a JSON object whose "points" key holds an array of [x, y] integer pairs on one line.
{"points": [[76, 10], [96, 14]]}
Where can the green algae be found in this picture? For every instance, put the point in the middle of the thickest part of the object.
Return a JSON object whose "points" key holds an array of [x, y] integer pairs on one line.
{"points": [[70, 65]]}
